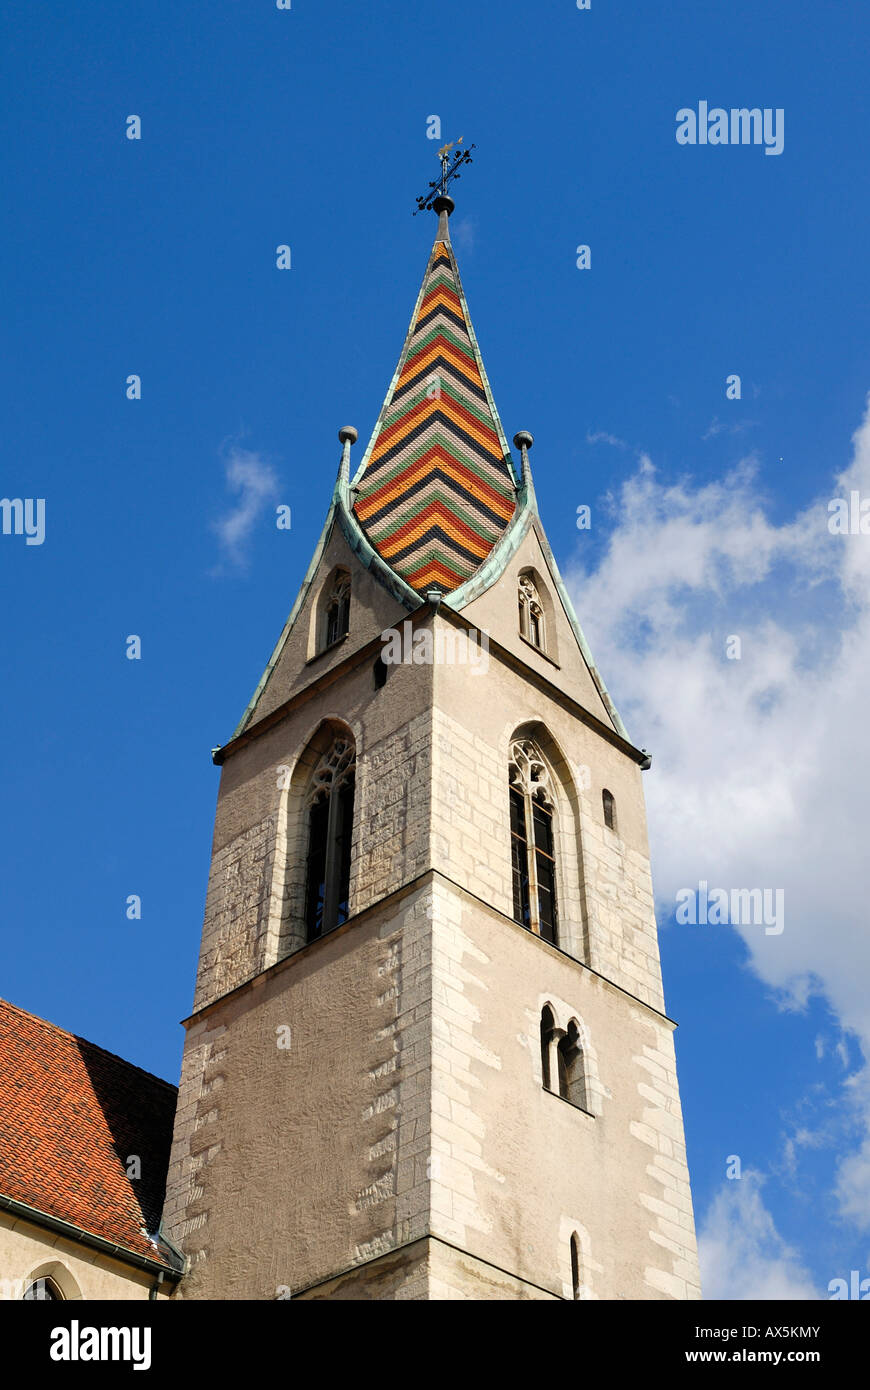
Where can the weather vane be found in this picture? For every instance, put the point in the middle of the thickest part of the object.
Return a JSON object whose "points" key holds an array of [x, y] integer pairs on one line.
{"points": [[449, 171]]}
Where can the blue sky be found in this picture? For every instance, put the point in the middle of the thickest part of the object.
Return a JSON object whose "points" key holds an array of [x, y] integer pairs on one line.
{"points": [[157, 257]]}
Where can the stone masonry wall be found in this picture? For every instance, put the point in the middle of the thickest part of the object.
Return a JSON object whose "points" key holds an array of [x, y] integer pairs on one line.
{"points": [[302, 1144], [516, 1170]]}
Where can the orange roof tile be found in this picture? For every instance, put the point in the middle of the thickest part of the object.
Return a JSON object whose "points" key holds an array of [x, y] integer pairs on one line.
{"points": [[71, 1115]]}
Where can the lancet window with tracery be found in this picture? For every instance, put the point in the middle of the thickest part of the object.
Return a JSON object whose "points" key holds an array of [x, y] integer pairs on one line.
{"points": [[330, 828], [533, 852], [337, 615], [531, 612]]}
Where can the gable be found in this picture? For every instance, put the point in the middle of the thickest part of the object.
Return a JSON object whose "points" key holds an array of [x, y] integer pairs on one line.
{"points": [[298, 658], [495, 610]]}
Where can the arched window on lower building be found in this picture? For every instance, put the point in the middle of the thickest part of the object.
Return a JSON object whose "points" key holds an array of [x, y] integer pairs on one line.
{"points": [[43, 1291], [609, 805], [533, 853], [572, 1071], [330, 829]]}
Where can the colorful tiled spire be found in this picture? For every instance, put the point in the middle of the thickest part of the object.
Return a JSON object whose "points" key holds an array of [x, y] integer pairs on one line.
{"points": [[436, 488]]}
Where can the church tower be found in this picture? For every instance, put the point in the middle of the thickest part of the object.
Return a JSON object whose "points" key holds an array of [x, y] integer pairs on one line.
{"points": [[428, 1056]]}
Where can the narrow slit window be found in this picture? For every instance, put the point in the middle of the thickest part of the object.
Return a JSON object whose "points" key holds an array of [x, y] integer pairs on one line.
{"points": [[575, 1266], [609, 805]]}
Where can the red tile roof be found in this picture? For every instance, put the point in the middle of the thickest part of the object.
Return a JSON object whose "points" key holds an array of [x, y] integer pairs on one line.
{"points": [[71, 1115]]}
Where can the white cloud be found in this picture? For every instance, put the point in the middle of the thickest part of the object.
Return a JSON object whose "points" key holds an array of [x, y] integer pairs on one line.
{"points": [[463, 234], [760, 765], [853, 1178], [853, 1187], [717, 426], [742, 1254], [255, 482], [602, 437]]}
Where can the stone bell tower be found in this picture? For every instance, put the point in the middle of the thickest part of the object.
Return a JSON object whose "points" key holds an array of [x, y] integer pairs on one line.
{"points": [[428, 1056]]}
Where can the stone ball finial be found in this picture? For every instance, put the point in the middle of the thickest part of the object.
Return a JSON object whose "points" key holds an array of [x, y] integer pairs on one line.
{"points": [[348, 435], [524, 440]]}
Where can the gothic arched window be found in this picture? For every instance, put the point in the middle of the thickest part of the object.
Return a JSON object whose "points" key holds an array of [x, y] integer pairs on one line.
{"points": [[42, 1290], [572, 1074], [336, 621], [533, 859], [548, 1033], [531, 612], [330, 827], [609, 806]]}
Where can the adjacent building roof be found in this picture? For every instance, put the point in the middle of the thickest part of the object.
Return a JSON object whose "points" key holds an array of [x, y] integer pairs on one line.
{"points": [[436, 488], [72, 1116]]}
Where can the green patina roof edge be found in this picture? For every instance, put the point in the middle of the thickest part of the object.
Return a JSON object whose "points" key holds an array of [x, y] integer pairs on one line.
{"points": [[525, 516], [491, 570], [339, 512]]}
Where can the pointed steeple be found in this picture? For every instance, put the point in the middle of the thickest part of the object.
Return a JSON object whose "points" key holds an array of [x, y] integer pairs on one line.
{"points": [[436, 488]]}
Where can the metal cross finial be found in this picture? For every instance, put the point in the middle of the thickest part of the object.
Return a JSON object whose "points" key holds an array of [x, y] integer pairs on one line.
{"points": [[449, 171]]}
